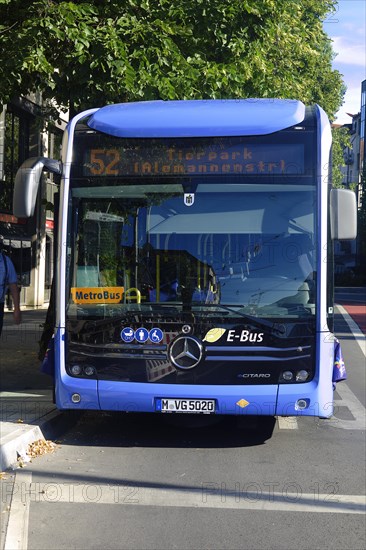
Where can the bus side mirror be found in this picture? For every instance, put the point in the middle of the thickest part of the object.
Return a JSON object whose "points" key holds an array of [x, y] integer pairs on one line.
{"points": [[27, 182], [343, 214]]}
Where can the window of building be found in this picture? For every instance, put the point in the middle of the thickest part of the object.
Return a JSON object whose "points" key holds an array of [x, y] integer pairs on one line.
{"points": [[16, 150]]}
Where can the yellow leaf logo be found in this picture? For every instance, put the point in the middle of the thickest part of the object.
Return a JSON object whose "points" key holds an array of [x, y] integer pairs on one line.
{"points": [[214, 334]]}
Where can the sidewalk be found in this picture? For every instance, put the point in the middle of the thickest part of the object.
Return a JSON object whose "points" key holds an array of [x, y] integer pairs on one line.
{"points": [[27, 411]]}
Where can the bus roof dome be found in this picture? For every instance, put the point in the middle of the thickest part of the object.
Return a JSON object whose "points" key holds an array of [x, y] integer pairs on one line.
{"points": [[197, 118]]}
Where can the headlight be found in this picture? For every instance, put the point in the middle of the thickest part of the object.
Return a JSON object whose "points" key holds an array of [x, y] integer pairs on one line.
{"points": [[75, 370], [302, 375], [89, 370]]}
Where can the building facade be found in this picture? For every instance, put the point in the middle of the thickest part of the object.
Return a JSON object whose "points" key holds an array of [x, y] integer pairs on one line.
{"points": [[351, 155], [25, 132], [349, 255], [363, 128]]}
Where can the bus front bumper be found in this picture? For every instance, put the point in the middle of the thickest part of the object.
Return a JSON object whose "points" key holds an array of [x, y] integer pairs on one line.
{"points": [[269, 400]]}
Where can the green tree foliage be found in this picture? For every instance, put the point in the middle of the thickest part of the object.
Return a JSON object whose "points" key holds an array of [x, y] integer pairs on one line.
{"points": [[82, 54], [341, 140]]}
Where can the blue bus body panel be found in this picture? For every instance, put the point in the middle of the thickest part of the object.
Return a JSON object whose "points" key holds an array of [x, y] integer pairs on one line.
{"points": [[87, 389], [230, 400], [197, 118], [318, 393], [140, 397], [66, 386]]}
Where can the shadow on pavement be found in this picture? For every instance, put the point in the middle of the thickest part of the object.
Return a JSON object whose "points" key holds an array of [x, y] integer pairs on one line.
{"points": [[154, 430]]}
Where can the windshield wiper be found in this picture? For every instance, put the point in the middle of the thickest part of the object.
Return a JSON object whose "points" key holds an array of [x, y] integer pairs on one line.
{"points": [[250, 318]]}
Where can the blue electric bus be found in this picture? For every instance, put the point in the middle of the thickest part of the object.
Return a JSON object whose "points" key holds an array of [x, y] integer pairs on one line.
{"points": [[194, 268]]}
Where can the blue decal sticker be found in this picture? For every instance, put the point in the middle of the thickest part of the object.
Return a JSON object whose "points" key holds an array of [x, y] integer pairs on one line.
{"points": [[127, 334], [141, 334], [156, 335]]}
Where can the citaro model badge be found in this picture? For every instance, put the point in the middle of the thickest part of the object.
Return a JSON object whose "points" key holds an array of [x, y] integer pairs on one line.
{"points": [[242, 403]]}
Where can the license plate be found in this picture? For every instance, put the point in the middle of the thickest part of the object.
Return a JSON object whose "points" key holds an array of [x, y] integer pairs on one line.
{"points": [[196, 406]]}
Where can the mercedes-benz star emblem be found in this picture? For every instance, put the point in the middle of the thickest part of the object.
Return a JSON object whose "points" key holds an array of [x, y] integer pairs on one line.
{"points": [[185, 352]]}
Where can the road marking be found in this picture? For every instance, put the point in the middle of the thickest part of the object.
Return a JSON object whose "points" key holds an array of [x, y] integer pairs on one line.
{"points": [[4, 394], [355, 329], [208, 496], [17, 531], [355, 406]]}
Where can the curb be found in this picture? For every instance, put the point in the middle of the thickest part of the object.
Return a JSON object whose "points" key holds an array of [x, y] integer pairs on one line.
{"points": [[15, 438], [15, 442]]}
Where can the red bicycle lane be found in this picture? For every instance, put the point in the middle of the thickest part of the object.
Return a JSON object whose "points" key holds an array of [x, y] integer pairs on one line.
{"points": [[358, 314]]}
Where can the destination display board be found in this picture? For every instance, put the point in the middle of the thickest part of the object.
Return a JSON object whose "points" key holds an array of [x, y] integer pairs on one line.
{"points": [[226, 156]]}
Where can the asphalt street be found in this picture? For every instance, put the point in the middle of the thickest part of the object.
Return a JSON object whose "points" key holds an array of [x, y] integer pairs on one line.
{"points": [[146, 481]]}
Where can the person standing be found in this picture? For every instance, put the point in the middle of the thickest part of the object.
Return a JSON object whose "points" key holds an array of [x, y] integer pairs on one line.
{"points": [[8, 279]]}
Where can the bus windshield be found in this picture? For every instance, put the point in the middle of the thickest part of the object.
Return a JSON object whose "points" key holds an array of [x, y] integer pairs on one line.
{"points": [[233, 247]]}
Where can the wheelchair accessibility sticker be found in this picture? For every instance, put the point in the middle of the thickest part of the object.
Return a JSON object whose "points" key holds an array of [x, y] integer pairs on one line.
{"points": [[155, 335]]}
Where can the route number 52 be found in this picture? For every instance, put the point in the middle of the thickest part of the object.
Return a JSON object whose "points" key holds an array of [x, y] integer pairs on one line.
{"points": [[104, 162]]}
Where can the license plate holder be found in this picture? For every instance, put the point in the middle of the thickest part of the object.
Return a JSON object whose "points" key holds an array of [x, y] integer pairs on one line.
{"points": [[185, 405]]}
